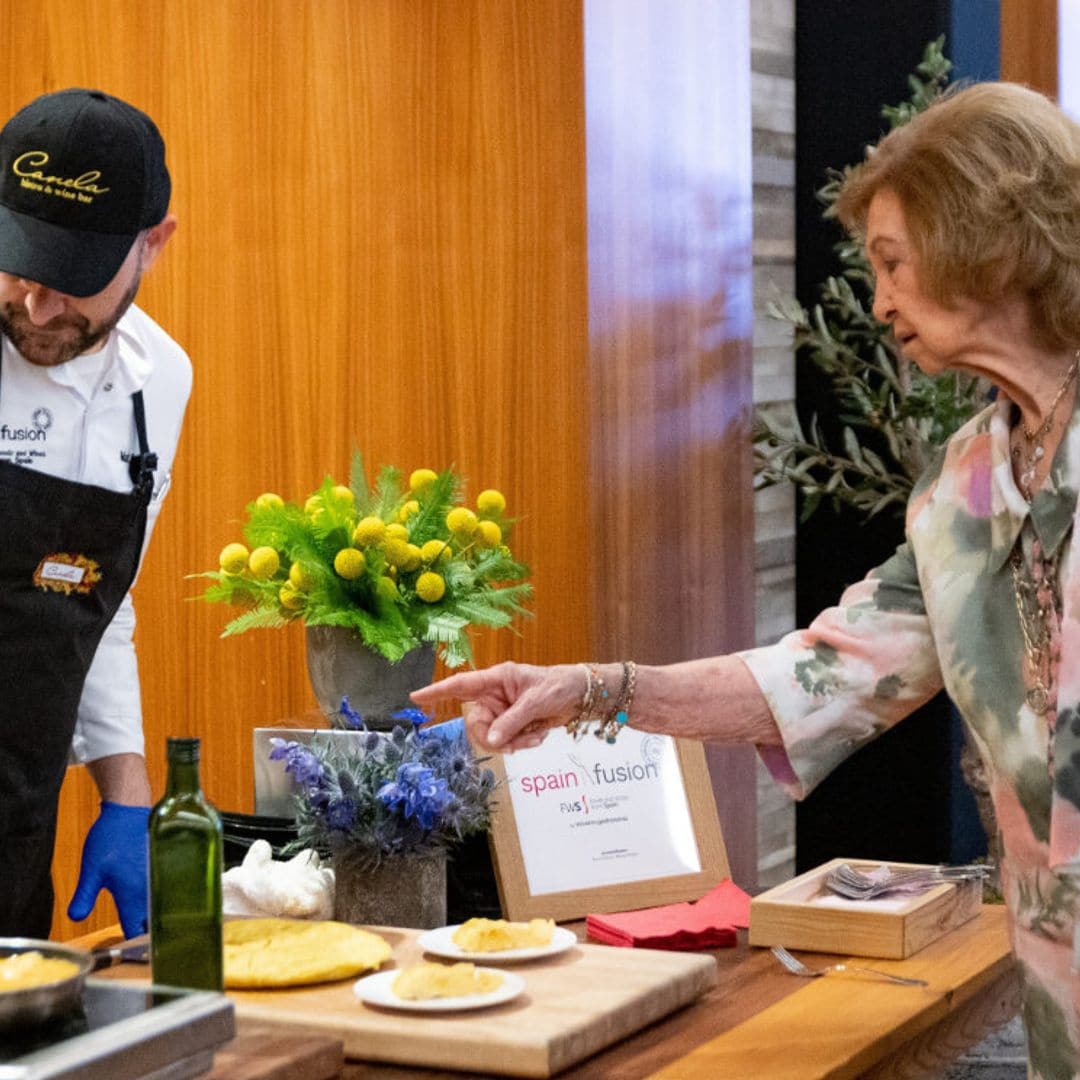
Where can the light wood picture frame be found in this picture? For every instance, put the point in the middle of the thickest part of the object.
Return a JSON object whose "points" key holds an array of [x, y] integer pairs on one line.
{"points": [[519, 902]]}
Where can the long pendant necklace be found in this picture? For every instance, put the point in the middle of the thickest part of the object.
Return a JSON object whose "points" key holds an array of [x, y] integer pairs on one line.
{"points": [[1033, 451], [1035, 587], [1038, 604]]}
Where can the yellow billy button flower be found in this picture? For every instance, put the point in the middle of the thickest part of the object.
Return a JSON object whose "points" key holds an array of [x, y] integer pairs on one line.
{"points": [[301, 578], [412, 558], [430, 587], [269, 501], [290, 599], [264, 563], [233, 558], [491, 503], [397, 551], [396, 531], [313, 505], [461, 521], [421, 480], [368, 531], [343, 494], [435, 550], [407, 511], [488, 534], [349, 563]]}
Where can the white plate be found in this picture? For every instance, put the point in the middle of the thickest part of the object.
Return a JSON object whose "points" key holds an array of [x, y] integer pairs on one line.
{"points": [[441, 943], [377, 990]]}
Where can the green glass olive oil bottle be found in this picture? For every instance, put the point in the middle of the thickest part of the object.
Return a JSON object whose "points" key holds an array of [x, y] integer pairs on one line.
{"points": [[185, 878]]}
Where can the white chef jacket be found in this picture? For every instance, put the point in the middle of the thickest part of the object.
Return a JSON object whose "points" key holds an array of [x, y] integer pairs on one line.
{"points": [[75, 420]]}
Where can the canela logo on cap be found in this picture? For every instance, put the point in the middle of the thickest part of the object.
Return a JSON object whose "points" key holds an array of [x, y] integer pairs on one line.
{"points": [[27, 167]]}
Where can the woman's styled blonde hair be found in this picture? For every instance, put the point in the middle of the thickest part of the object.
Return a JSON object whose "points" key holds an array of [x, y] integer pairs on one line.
{"points": [[989, 179]]}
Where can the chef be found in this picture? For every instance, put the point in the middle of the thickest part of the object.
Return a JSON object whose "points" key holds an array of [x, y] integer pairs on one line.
{"points": [[92, 396]]}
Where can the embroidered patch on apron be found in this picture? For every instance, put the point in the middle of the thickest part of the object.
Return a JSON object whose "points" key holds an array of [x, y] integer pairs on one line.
{"points": [[67, 573]]}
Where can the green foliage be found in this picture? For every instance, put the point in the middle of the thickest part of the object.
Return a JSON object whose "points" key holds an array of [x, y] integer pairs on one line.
{"points": [[384, 602], [892, 415]]}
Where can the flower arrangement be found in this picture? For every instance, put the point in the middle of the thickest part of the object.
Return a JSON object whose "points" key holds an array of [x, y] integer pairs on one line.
{"points": [[400, 565], [410, 792]]}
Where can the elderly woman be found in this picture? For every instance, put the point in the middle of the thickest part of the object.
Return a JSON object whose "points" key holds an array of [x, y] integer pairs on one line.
{"points": [[970, 216]]}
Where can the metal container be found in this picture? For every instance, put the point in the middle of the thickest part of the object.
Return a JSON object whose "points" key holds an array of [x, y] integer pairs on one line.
{"points": [[35, 1004]]}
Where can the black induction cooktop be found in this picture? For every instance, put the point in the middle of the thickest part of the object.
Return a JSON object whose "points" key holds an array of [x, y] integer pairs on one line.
{"points": [[121, 1031]]}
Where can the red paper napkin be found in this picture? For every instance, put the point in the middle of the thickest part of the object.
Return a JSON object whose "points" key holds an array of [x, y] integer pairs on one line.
{"points": [[708, 923]]}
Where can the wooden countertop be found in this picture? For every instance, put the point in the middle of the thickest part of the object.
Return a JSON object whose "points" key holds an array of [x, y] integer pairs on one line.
{"points": [[757, 1021]]}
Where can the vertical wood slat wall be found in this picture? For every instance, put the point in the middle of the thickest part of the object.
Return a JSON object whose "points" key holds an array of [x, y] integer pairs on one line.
{"points": [[670, 327], [1029, 43], [382, 244], [772, 58]]}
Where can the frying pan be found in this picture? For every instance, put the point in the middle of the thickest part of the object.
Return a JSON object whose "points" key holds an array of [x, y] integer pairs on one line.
{"points": [[35, 1004]]}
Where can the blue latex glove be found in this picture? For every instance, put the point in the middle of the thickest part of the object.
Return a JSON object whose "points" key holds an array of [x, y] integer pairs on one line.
{"points": [[114, 857]]}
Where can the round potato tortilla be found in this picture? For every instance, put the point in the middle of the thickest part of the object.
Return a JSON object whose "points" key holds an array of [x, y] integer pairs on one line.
{"points": [[425, 981], [267, 953], [494, 935]]}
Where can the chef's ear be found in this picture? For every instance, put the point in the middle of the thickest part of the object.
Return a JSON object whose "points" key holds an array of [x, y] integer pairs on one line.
{"points": [[154, 240]]}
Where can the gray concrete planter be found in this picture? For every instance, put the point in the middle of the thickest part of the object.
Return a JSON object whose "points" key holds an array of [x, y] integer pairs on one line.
{"points": [[339, 663], [402, 890]]}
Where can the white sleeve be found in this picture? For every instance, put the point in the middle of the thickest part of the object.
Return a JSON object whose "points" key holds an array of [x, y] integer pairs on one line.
{"points": [[110, 711]]}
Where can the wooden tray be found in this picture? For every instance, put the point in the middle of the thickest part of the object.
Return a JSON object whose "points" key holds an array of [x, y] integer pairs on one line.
{"points": [[803, 914], [574, 1004]]}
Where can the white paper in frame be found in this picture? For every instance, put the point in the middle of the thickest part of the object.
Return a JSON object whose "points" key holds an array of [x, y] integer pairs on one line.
{"points": [[584, 826]]}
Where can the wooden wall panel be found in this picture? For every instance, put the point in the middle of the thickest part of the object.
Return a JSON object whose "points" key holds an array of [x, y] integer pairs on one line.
{"points": [[670, 328], [381, 244], [1029, 43]]}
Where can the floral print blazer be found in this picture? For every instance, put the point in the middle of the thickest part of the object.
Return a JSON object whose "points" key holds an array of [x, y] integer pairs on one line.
{"points": [[942, 612]]}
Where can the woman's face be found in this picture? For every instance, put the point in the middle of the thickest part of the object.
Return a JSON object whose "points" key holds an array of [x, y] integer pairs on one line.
{"points": [[934, 336]]}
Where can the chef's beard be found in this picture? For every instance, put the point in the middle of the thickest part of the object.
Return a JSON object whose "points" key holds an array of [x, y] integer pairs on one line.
{"points": [[63, 338]]}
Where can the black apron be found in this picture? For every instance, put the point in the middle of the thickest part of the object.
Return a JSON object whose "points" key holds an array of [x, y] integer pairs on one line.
{"points": [[68, 555]]}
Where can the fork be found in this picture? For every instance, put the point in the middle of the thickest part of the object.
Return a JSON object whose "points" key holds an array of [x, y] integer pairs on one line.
{"points": [[855, 885], [797, 967]]}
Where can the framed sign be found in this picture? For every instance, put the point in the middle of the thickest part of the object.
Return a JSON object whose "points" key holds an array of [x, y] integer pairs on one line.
{"points": [[586, 826]]}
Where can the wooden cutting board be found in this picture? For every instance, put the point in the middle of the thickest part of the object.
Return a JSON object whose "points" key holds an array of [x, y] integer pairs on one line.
{"points": [[574, 1004]]}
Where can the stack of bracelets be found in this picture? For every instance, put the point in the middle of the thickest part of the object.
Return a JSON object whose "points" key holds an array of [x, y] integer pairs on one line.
{"points": [[596, 704]]}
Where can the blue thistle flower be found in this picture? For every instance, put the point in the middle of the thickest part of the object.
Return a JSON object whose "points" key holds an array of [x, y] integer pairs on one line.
{"points": [[416, 793], [416, 717], [341, 814], [300, 763], [353, 720]]}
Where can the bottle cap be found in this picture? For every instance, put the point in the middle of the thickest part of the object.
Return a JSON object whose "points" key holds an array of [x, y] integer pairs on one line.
{"points": [[184, 751]]}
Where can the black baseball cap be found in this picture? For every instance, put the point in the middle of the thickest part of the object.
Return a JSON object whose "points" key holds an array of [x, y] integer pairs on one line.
{"points": [[82, 173]]}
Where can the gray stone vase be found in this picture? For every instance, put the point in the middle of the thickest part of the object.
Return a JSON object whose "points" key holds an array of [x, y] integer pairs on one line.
{"points": [[339, 663], [403, 890]]}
